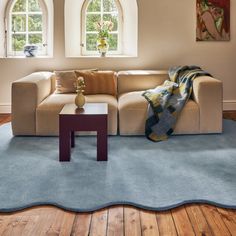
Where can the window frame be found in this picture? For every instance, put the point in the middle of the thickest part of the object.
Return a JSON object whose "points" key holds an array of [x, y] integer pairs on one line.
{"points": [[44, 32], [83, 45]]}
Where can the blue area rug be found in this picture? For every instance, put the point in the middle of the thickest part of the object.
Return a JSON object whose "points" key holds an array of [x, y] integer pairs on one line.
{"points": [[154, 176]]}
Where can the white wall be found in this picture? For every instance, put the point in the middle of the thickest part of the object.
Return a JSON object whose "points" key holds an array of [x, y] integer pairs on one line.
{"points": [[166, 38]]}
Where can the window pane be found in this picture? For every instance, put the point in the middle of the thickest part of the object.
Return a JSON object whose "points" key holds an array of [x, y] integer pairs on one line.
{"points": [[34, 5], [113, 18], [109, 5], [94, 6], [35, 39], [35, 23], [91, 42], [90, 20], [20, 6], [18, 23], [113, 42], [18, 42]]}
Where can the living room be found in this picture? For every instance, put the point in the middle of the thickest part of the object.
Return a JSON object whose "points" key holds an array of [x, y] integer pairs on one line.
{"points": [[149, 86]]}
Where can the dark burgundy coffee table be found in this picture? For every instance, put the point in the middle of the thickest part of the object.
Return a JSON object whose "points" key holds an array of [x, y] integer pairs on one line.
{"points": [[93, 117]]}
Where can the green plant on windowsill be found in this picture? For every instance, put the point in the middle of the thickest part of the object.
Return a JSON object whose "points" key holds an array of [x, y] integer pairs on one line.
{"points": [[103, 28]]}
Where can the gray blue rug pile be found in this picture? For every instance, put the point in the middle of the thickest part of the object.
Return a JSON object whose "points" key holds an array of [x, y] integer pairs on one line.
{"points": [[155, 176]]}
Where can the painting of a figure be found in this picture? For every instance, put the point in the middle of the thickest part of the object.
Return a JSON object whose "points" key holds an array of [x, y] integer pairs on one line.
{"points": [[213, 20]]}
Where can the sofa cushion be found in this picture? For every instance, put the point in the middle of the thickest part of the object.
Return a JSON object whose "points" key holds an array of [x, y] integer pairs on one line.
{"points": [[133, 113], [65, 81], [139, 80], [47, 119], [98, 82]]}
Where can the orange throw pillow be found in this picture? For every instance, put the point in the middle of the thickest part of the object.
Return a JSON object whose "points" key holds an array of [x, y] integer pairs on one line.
{"points": [[98, 82]]}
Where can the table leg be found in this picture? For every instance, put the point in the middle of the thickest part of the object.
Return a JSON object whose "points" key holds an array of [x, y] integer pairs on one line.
{"points": [[64, 144], [72, 139], [102, 142]]}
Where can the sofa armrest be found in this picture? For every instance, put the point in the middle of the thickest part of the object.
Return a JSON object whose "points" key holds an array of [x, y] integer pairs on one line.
{"points": [[27, 94], [208, 93]]}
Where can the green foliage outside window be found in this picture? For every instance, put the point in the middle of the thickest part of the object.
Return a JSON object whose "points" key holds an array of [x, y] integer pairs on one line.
{"points": [[20, 6], [34, 5], [109, 5], [110, 13], [90, 20], [35, 38], [18, 42], [19, 23], [94, 6], [35, 23], [91, 42], [112, 41]]}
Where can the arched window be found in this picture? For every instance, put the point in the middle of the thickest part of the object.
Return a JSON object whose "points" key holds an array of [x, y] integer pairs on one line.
{"points": [[76, 34], [96, 11], [27, 24]]}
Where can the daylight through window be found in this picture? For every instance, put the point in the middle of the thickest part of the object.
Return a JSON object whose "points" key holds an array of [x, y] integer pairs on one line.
{"points": [[26, 26], [95, 11]]}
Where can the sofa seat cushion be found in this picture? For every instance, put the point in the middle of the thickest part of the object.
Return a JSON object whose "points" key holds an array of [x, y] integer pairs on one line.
{"points": [[133, 113], [47, 119]]}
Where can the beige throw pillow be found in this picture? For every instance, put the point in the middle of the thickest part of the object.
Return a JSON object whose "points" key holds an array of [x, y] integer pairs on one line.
{"points": [[65, 81]]}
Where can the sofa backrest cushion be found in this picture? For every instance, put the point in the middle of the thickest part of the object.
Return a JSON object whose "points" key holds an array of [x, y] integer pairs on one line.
{"points": [[139, 80], [99, 82], [65, 81]]}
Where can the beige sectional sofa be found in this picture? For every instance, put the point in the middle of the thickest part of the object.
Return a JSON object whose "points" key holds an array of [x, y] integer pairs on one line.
{"points": [[35, 105]]}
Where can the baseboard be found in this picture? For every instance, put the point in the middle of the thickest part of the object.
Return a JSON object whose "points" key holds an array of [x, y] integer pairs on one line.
{"points": [[228, 105], [5, 108]]}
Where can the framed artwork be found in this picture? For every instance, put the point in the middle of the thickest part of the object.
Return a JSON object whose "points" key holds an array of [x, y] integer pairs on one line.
{"points": [[213, 20]]}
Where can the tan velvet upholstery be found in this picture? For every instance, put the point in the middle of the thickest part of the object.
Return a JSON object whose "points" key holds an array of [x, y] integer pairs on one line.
{"points": [[139, 80], [133, 113], [208, 93], [47, 119], [203, 114], [35, 109], [27, 94]]}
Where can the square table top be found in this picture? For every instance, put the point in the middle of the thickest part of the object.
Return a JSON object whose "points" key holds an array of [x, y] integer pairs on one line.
{"points": [[88, 109]]}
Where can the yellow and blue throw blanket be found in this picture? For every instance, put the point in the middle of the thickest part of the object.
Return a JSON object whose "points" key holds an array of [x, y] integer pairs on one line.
{"points": [[167, 101]]}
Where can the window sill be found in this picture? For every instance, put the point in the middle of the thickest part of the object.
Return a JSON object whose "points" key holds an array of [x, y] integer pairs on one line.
{"points": [[108, 56], [24, 57]]}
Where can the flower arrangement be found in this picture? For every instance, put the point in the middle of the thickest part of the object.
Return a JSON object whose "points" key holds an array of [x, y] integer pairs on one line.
{"points": [[104, 28], [80, 85], [80, 98]]}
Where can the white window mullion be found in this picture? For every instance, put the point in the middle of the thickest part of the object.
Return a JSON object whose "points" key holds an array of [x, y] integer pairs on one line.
{"points": [[20, 32], [36, 32], [27, 18], [102, 9]]}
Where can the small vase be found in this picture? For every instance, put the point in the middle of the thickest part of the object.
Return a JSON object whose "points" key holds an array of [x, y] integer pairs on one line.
{"points": [[102, 46], [30, 50], [79, 100]]}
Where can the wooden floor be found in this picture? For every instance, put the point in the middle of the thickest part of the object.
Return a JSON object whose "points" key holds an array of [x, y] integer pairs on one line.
{"points": [[195, 219]]}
